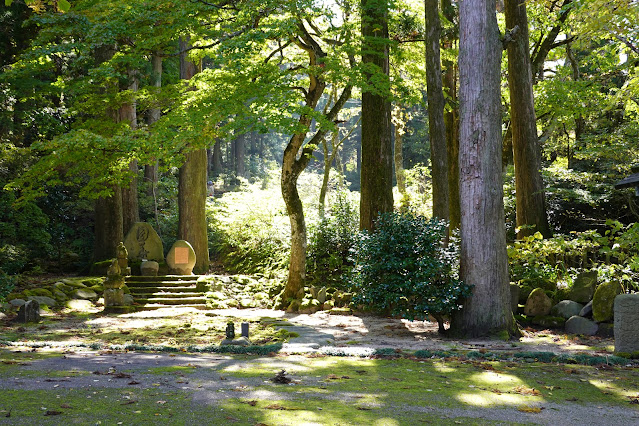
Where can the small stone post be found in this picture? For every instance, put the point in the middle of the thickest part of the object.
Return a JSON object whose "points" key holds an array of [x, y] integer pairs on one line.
{"points": [[113, 291], [627, 323]]}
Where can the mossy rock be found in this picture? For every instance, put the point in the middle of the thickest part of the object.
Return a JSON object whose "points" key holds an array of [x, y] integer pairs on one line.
{"points": [[89, 282], [538, 303], [559, 295], [65, 288], [310, 306], [604, 300], [583, 288], [60, 296], [126, 289], [539, 282], [75, 283], [524, 292], [41, 292], [523, 319], [328, 305], [294, 306], [12, 296], [98, 288], [216, 295]]}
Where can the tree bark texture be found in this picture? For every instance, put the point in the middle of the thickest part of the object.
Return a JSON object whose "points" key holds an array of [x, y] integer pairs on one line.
{"points": [[451, 121], [436, 102], [192, 190], [108, 225], [151, 170], [529, 185], [376, 179], [483, 235]]}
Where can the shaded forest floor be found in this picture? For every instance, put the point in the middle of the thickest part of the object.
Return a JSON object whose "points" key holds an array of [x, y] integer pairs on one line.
{"points": [[48, 375]]}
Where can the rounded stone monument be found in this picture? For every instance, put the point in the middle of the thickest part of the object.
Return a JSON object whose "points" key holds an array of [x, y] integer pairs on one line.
{"points": [[181, 258], [142, 242]]}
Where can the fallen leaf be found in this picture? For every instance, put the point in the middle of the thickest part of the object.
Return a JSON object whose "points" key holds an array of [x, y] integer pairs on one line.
{"points": [[275, 407], [128, 402], [528, 409], [252, 403], [523, 390], [572, 398], [364, 408], [65, 406], [395, 379], [497, 391], [133, 382], [52, 413], [160, 402]]}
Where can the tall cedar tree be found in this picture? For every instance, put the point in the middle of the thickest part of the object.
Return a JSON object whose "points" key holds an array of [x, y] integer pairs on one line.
{"points": [[436, 102], [192, 189], [483, 235], [529, 184], [377, 149]]}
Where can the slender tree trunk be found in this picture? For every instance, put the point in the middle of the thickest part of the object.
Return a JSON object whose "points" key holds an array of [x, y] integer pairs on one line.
{"points": [[529, 184], [192, 190], [451, 119], [483, 235], [400, 174], [580, 123], [217, 158], [108, 225], [436, 102], [240, 154], [151, 170], [377, 150], [130, 205], [328, 160]]}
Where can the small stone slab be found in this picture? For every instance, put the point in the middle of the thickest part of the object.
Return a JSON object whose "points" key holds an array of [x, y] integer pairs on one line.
{"points": [[29, 312], [181, 258], [142, 242], [627, 323]]}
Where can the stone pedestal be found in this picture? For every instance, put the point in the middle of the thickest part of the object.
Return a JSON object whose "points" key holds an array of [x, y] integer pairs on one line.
{"points": [[627, 323], [113, 291], [113, 297], [149, 268]]}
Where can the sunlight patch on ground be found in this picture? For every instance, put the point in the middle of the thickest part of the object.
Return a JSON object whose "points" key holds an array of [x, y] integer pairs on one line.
{"points": [[491, 400], [493, 378]]}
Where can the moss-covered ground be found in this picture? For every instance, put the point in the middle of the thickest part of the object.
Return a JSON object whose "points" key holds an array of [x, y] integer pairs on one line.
{"points": [[147, 388]]}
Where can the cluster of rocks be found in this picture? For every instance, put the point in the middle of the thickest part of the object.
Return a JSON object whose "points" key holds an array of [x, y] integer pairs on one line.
{"points": [[237, 291], [587, 307], [74, 293], [312, 299]]}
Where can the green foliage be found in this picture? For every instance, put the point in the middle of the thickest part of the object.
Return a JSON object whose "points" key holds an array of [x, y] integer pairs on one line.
{"points": [[7, 283], [330, 243], [248, 231], [404, 268]]}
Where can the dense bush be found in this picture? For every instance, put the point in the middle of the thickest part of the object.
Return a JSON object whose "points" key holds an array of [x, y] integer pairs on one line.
{"points": [[331, 241], [7, 283], [403, 268]]}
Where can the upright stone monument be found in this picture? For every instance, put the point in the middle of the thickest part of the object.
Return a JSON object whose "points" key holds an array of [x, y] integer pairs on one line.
{"points": [[627, 323], [29, 312], [181, 258], [143, 243]]}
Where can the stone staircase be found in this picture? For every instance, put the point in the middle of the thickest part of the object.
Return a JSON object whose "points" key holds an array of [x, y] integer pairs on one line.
{"points": [[168, 291]]}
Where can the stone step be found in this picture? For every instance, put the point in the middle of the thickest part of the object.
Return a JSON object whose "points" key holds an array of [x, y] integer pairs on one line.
{"points": [[171, 300], [153, 306], [146, 290], [142, 284], [138, 278], [169, 295]]}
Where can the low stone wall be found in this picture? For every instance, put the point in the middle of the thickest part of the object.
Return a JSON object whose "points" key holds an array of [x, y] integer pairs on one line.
{"points": [[627, 323]]}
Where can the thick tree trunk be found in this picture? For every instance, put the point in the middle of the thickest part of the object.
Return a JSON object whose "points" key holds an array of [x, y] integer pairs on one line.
{"points": [[451, 119], [483, 235], [130, 205], [108, 225], [529, 184], [377, 150], [192, 190], [436, 102]]}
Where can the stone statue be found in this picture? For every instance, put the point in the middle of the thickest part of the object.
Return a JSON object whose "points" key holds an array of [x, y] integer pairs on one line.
{"points": [[230, 330], [122, 255], [114, 270]]}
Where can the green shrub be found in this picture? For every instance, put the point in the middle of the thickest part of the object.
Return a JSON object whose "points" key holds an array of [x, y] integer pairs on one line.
{"points": [[331, 242], [403, 268], [7, 283]]}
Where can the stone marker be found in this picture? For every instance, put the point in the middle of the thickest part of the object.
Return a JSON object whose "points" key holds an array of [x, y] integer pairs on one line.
{"points": [[29, 312], [149, 268], [142, 242], [181, 258], [538, 303], [627, 323]]}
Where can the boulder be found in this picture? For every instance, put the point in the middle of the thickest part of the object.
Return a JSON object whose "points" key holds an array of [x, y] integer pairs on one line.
{"points": [[566, 309], [181, 258], [44, 300], [580, 325], [321, 295], [586, 311], [149, 268], [583, 288], [626, 310], [604, 299], [84, 294], [60, 296], [29, 312], [16, 303], [538, 303], [142, 242]]}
